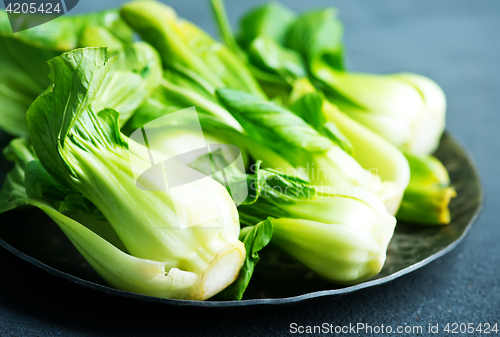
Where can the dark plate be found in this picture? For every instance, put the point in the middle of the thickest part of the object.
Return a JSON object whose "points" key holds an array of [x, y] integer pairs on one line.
{"points": [[277, 280]]}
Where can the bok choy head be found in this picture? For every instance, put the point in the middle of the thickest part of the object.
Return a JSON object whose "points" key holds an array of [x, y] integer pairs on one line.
{"points": [[406, 109], [342, 237], [188, 49], [191, 230], [95, 240]]}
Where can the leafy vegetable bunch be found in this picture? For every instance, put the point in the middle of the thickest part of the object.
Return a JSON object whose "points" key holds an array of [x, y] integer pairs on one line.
{"points": [[106, 148]]}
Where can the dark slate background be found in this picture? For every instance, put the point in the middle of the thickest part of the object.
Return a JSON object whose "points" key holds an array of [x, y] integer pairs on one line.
{"points": [[455, 42]]}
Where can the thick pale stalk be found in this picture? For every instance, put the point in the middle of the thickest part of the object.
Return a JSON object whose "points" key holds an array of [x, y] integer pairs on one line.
{"points": [[347, 245]]}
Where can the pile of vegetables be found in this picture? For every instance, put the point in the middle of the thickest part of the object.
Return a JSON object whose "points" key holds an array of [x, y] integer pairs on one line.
{"points": [[330, 158]]}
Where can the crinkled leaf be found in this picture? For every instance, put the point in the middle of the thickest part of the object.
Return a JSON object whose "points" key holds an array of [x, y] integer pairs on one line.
{"points": [[134, 76], [272, 185], [52, 115], [29, 181]]}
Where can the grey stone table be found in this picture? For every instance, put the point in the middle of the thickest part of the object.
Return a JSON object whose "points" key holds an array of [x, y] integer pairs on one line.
{"points": [[455, 42]]}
